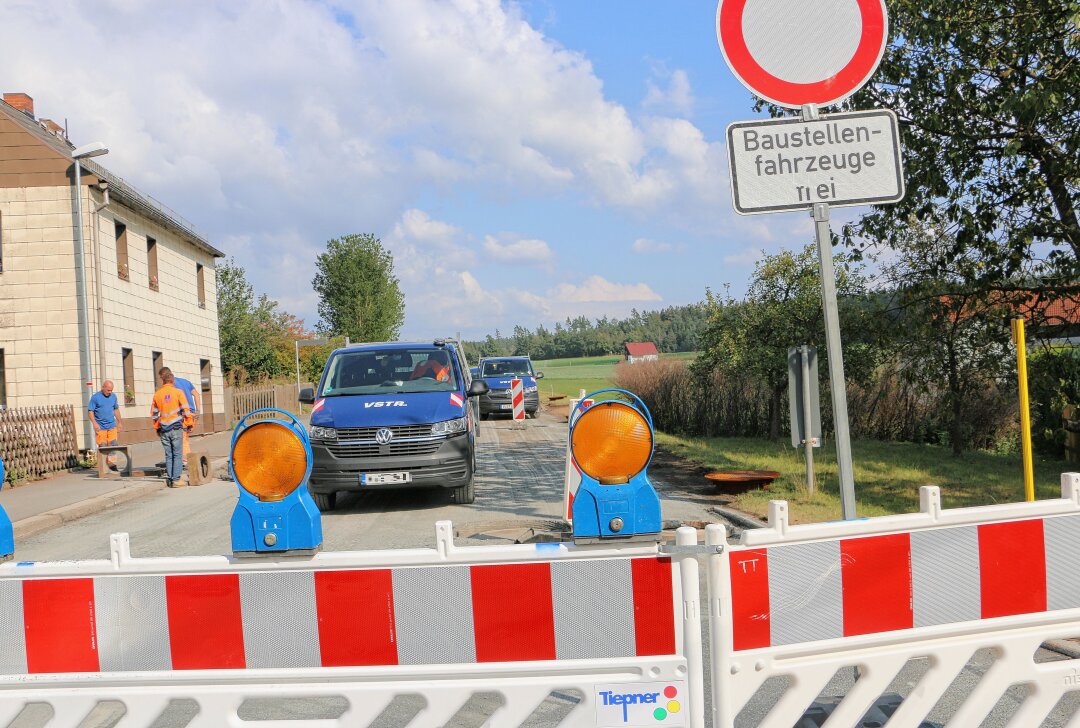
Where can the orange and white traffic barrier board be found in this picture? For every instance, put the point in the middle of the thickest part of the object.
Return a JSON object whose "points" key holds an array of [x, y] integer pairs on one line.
{"points": [[517, 397], [573, 473]]}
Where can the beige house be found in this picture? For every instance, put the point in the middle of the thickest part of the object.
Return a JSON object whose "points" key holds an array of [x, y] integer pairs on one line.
{"points": [[150, 294]]}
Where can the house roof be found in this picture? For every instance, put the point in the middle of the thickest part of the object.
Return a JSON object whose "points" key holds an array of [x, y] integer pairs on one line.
{"points": [[1062, 311], [119, 190], [641, 348]]}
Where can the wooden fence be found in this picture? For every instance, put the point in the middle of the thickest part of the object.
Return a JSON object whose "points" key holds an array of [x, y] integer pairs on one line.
{"points": [[241, 400], [38, 440]]}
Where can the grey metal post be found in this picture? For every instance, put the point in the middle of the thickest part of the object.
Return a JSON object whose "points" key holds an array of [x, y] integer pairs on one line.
{"points": [[837, 383], [84, 310], [808, 418], [296, 344]]}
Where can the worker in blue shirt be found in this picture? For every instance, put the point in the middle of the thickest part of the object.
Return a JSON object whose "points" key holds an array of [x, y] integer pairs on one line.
{"points": [[104, 413], [194, 403]]}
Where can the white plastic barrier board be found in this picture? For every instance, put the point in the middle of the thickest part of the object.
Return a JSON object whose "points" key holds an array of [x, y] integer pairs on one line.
{"points": [[796, 605], [617, 626]]}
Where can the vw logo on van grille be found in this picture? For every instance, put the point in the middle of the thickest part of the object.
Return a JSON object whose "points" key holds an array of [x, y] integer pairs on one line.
{"points": [[384, 435]]}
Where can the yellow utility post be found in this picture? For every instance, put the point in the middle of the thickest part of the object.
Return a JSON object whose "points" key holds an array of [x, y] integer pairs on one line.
{"points": [[1025, 407]]}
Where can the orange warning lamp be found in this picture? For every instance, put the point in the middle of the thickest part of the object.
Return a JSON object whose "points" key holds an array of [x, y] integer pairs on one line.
{"points": [[612, 443], [271, 462]]}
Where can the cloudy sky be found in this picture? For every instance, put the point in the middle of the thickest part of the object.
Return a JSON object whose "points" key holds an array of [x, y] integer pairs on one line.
{"points": [[524, 161]]}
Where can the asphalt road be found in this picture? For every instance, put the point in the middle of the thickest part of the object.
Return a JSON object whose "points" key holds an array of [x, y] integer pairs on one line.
{"points": [[519, 486]]}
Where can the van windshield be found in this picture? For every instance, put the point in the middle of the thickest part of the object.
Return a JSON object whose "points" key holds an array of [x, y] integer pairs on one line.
{"points": [[390, 371], [508, 368]]}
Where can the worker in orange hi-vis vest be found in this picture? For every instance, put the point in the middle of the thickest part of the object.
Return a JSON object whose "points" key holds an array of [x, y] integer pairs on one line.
{"points": [[172, 416], [436, 367]]}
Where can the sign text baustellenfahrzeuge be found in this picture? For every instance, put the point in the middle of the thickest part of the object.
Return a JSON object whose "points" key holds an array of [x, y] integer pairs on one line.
{"points": [[791, 164]]}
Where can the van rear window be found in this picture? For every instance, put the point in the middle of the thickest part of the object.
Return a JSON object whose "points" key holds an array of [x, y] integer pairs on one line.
{"points": [[390, 371]]}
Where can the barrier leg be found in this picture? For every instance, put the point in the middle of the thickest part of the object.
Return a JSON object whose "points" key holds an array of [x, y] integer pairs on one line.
{"points": [[695, 678], [722, 714]]}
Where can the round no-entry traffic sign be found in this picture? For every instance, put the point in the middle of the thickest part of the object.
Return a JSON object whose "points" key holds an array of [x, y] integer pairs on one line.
{"points": [[798, 52]]}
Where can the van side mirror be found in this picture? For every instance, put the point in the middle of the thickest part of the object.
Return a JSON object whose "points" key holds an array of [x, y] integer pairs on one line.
{"points": [[478, 387], [307, 395], [539, 375]]}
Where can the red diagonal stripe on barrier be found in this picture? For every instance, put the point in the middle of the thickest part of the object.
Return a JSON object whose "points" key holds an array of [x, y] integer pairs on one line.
{"points": [[513, 616], [59, 620], [750, 620], [356, 617], [206, 628], [1012, 568], [876, 573], [654, 607]]}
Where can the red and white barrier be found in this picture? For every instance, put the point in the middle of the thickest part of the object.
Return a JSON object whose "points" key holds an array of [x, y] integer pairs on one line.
{"points": [[806, 601], [234, 621], [517, 398], [572, 481], [446, 623]]}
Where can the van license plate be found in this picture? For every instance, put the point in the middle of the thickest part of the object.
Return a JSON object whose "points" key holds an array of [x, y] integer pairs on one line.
{"points": [[384, 478], [507, 406]]}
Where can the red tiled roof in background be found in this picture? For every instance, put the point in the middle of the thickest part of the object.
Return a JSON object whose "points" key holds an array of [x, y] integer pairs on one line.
{"points": [[1049, 312], [643, 348]]}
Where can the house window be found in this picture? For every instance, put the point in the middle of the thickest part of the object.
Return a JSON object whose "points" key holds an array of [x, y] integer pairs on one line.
{"points": [[200, 277], [159, 362], [3, 382], [121, 250], [151, 263], [129, 376]]}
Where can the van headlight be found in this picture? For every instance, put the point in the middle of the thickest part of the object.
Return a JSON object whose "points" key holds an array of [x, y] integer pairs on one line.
{"points": [[323, 433], [449, 427], [530, 389]]}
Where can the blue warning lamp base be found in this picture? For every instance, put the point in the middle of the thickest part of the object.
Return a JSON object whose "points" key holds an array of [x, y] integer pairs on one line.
{"points": [[636, 505], [292, 525], [7, 533]]}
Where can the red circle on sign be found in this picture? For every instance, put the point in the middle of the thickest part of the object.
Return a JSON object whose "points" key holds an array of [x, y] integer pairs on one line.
{"points": [[670, 691], [850, 78]]}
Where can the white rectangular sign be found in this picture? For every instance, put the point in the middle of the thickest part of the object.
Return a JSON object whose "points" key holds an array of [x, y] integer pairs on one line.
{"points": [[839, 159]]}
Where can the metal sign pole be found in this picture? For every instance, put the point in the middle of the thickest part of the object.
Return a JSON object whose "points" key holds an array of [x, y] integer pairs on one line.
{"points": [[296, 344], [808, 418], [836, 361]]}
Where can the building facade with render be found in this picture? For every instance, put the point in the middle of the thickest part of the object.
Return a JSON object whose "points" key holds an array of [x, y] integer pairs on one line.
{"points": [[150, 293]]}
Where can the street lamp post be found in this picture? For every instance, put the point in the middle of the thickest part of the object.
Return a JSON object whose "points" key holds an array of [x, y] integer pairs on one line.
{"points": [[94, 149]]}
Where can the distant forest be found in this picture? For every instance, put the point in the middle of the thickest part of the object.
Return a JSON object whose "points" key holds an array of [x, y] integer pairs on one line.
{"points": [[672, 329]]}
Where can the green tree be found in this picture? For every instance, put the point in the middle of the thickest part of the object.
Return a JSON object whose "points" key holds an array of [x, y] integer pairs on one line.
{"points": [[359, 296], [245, 326], [951, 337], [988, 92], [781, 309]]}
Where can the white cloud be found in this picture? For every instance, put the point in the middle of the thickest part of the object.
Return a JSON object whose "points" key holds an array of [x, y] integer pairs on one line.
{"points": [[519, 251], [275, 126], [746, 257], [669, 91], [645, 246], [597, 289]]}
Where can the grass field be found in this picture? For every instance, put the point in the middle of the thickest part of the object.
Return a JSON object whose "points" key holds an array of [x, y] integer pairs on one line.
{"points": [[569, 376], [887, 475]]}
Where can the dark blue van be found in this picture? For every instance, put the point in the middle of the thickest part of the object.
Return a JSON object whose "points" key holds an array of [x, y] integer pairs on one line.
{"points": [[393, 416], [497, 373]]}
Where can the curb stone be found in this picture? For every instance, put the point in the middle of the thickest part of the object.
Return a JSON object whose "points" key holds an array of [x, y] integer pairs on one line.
{"points": [[34, 525], [742, 520]]}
